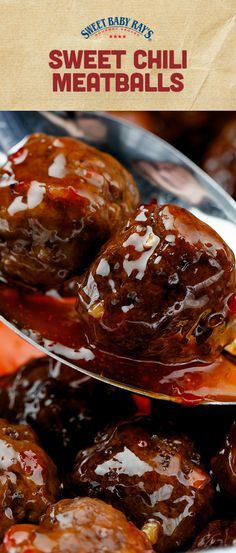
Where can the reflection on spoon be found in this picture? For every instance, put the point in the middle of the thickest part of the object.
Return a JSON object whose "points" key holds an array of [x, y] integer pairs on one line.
{"points": [[225, 229], [172, 178]]}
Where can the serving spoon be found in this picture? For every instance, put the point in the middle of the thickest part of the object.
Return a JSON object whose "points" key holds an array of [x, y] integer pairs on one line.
{"points": [[48, 321]]}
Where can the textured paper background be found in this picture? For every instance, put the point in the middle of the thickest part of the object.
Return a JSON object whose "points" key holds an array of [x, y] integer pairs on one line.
{"points": [[31, 28]]}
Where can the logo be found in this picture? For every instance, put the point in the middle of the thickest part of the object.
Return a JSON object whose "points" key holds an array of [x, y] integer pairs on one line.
{"points": [[117, 27]]}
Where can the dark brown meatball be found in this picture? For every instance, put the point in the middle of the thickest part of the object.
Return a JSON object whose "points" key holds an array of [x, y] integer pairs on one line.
{"points": [[28, 480], [159, 288], [204, 424], [218, 533], [224, 465], [78, 525], [154, 477], [220, 158], [60, 201], [63, 406], [190, 131]]}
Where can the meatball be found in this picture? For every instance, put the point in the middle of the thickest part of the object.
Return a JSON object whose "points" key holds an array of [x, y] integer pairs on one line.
{"points": [[63, 406], [189, 131], [60, 201], [220, 158], [82, 525], [153, 476], [224, 465], [159, 288], [218, 533], [28, 480], [204, 424]]}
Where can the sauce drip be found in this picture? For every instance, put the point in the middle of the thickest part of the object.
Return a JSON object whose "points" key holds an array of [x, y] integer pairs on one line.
{"points": [[53, 322]]}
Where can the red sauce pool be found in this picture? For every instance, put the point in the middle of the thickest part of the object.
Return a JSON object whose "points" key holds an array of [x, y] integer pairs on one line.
{"points": [[53, 323]]}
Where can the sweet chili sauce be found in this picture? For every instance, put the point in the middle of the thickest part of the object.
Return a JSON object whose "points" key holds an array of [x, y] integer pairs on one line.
{"points": [[53, 322]]}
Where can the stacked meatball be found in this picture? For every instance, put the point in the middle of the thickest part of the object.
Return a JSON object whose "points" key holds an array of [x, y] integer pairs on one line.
{"points": [[60, 201], [152, 290], [146, 283], [134, 485]]}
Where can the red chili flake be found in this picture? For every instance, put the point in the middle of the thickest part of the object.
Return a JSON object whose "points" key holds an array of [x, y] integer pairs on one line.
{"points": [[15, 537], [21, 187], [29, 461], [17, 154]]}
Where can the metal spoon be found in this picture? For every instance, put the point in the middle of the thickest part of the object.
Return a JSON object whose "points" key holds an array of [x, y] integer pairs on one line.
{"points": [[162, 171]]}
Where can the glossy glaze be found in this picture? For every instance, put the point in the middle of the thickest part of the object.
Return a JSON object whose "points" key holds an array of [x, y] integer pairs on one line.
{"points": [[224, 465], [151, 475], [28, 480], [152, 290], [54, 324], [219, 533], [60, 201], [63, 406], [83, 525]]}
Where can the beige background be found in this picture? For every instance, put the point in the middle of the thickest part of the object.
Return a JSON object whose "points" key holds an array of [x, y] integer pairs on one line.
{"points": [[31, 28]]}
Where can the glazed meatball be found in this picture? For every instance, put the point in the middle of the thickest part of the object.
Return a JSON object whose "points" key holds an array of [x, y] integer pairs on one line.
{"points": [[28, 480], [154, 477], [63, 406], [224, 465], [218, 533], [79, 525], [159, 288], [203, 424], [60, 201], [190, 131], [220, 158]]}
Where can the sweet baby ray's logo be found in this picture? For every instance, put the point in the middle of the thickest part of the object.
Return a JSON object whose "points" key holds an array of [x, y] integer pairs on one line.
{"points": [[117, 27]]}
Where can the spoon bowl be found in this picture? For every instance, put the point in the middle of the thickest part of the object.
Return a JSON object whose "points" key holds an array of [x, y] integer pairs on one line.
{"points": [[49, 321]]}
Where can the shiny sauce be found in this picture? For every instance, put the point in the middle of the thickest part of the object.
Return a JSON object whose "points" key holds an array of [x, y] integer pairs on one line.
{"points": [[53, 323]]}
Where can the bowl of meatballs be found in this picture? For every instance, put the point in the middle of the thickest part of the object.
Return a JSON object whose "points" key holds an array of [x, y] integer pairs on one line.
{"points": [[110, 278]]}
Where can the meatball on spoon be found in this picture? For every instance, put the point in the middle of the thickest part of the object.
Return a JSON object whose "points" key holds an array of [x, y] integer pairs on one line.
{"points": [[158, 323]]}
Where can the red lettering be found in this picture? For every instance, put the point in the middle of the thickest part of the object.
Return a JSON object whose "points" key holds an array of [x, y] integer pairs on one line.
{"points": [[155, 60], [93, 82], [177, 80], [107, 77], [72, 58], [55, 56], [160, 85], [61, 83], [122, 82], [184, 59], [103, 59], [148, 86], [136, 82], [118, 54], [89, 59], [172, 63], [140, 64], [78, 82]]}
